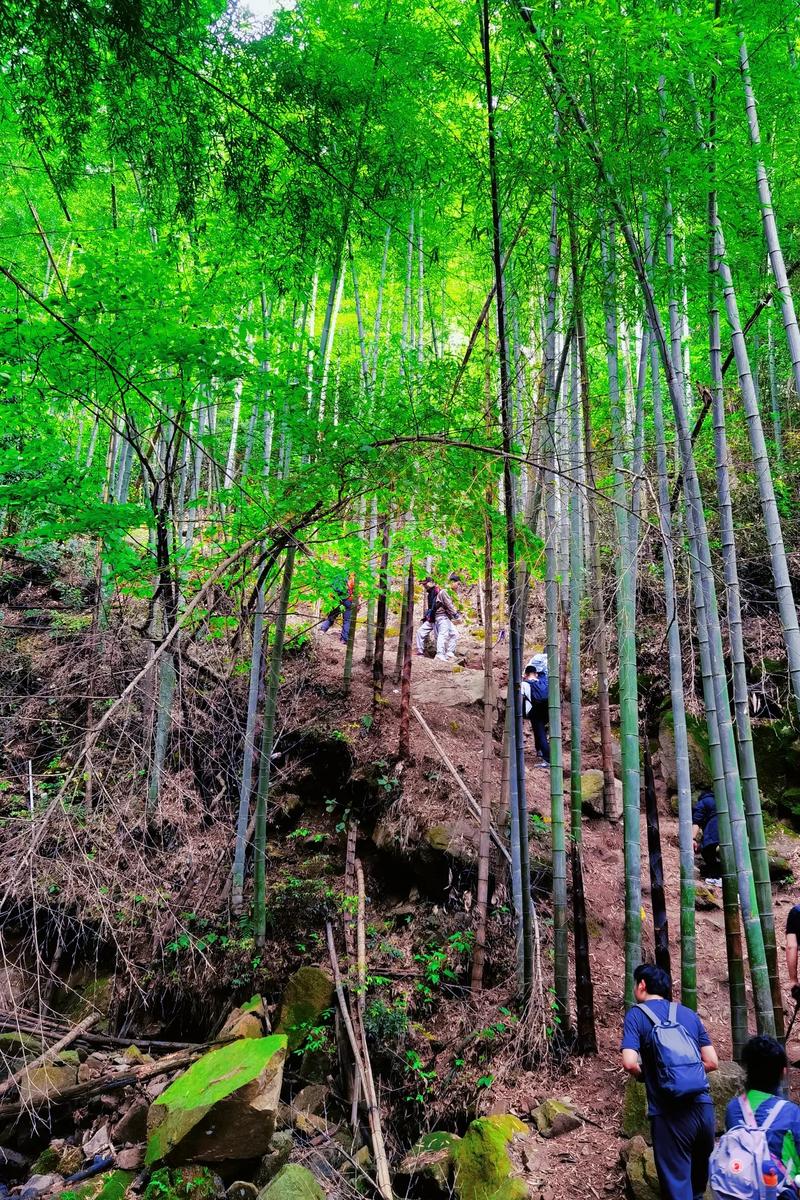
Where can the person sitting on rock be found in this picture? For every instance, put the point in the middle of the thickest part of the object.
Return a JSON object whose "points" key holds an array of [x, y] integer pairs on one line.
{"points": [[705, 830], [764, 1061], [439, 615]]}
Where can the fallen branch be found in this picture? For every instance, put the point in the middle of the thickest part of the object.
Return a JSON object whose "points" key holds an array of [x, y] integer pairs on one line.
{"points": [[373, 1113], [474, 807], [51, 1052]]}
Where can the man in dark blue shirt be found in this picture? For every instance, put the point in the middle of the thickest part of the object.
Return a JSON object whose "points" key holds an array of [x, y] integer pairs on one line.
{"points": [[683, 1130], [764, 1061]]}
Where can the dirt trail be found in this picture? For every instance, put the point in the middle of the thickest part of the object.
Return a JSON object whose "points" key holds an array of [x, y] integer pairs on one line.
{"points": [[587, 1161]]}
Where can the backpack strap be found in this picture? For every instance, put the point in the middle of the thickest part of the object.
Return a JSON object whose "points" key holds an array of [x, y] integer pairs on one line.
{"points": [[672, 1013], [649, 1012], [747, 1112], [773, 1112]]}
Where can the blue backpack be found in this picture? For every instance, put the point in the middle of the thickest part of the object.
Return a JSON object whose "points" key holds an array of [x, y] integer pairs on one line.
{"points": [[680, 1073]]}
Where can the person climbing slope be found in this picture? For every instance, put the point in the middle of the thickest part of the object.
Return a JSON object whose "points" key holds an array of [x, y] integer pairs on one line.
{"points": [[666, 1045], [344, 590], [438, 617], [535, 699], [706, 836]]}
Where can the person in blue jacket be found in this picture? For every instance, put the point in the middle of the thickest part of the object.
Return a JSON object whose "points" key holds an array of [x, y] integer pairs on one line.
{"points": [[535, 696], [764, 1061], [706, 836]]}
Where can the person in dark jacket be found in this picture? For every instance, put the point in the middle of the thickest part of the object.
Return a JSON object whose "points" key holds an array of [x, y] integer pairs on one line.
{"points": [[439, 616], [536, 700], [343, 589], [683, 1131], [706, 836]]}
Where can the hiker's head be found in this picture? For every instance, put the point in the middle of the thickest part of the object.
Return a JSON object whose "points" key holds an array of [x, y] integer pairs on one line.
{"points": [[648, 979], [764, 1061], [530, 672], [429, 581]]}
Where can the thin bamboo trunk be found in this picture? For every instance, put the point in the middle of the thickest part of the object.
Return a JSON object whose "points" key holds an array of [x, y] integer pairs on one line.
{"points": [[380, 619], [658, 899], [267, 745], [246, 782], [404, 749], [351, 644], [487, 755]]}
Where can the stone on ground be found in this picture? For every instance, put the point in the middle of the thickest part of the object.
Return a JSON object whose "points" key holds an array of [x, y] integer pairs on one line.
{"points": [[222, 1107], [247, 1021], [482, 1163], [308, 994], [634, 1111], [640, 1171], [293, 1182], [43, 1083], [450, 690], [554, 1117], [725, 1083]]}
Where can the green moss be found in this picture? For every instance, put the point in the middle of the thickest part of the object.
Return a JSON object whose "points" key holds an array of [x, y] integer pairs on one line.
{"points": [[116, 1185], [483, 1167], [293, 1183], [308, 994], [47, 1161], [183, 1183], [216, 1075], [17, 1044]]}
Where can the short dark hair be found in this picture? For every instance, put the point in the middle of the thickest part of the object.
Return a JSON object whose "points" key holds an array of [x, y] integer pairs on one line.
{"points": [[764, 1061], [429, 579], [529, 670], [657, 980]]}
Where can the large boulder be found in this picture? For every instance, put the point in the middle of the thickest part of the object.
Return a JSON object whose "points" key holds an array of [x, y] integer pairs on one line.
{"points": [[308, 994], [19, 1045], [725, 1083], [699, 758], [293, 1182], [449, 689], [247, 1021], [592, 782], [482, 1163], [640, 1171], [223, 1107]]}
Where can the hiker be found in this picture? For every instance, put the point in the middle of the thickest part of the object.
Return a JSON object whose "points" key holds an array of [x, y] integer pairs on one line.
{"points": [[705, 832], [438, 617], [666, 1045], [792, 934], [764, 1062], [343, 589], [535, 701]]}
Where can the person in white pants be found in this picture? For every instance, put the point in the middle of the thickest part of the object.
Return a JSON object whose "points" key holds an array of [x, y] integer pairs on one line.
{"points": [[438, 618]]}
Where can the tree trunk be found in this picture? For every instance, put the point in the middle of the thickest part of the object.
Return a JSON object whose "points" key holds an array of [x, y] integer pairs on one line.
{"points": [[487, 757], [380, 620], [657, 894], [404, 750]]}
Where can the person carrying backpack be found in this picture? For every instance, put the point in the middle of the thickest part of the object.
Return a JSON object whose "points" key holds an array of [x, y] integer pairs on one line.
{"points": [[535, 701], [705, 831], [762, 1131], [666, 1045]]}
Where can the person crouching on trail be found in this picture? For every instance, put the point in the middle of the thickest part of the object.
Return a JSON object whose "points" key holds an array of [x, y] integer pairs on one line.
{"points": [[705, 831], [536, 706], [344, 590], [438, 617], [666, 1045]]}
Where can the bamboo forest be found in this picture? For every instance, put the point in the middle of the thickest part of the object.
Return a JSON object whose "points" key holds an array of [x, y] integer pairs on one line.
{"points": [[399, 642]]}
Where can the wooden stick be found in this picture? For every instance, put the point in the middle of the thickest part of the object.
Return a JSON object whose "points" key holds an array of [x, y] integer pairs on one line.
{"points": [[51, 1052], [378, 1147], [472, 802]]}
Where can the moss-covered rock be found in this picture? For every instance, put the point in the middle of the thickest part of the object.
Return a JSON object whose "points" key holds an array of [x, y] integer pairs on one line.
{"points": [[554, 1117], [777, 750], [223, 1107], [640, 1171], [634, 1111], [780, 869], [46, 1081], [308, 994], [293, 1182], [699, 757], [47, 1162], [20, 1045], [432, 1158], [482, 1163], [246, 1021], [116, 1184]]}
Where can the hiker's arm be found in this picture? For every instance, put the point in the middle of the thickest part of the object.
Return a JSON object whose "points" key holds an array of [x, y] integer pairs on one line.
{"points": [[630, 1061], [791, 958], [709, 1058]]}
